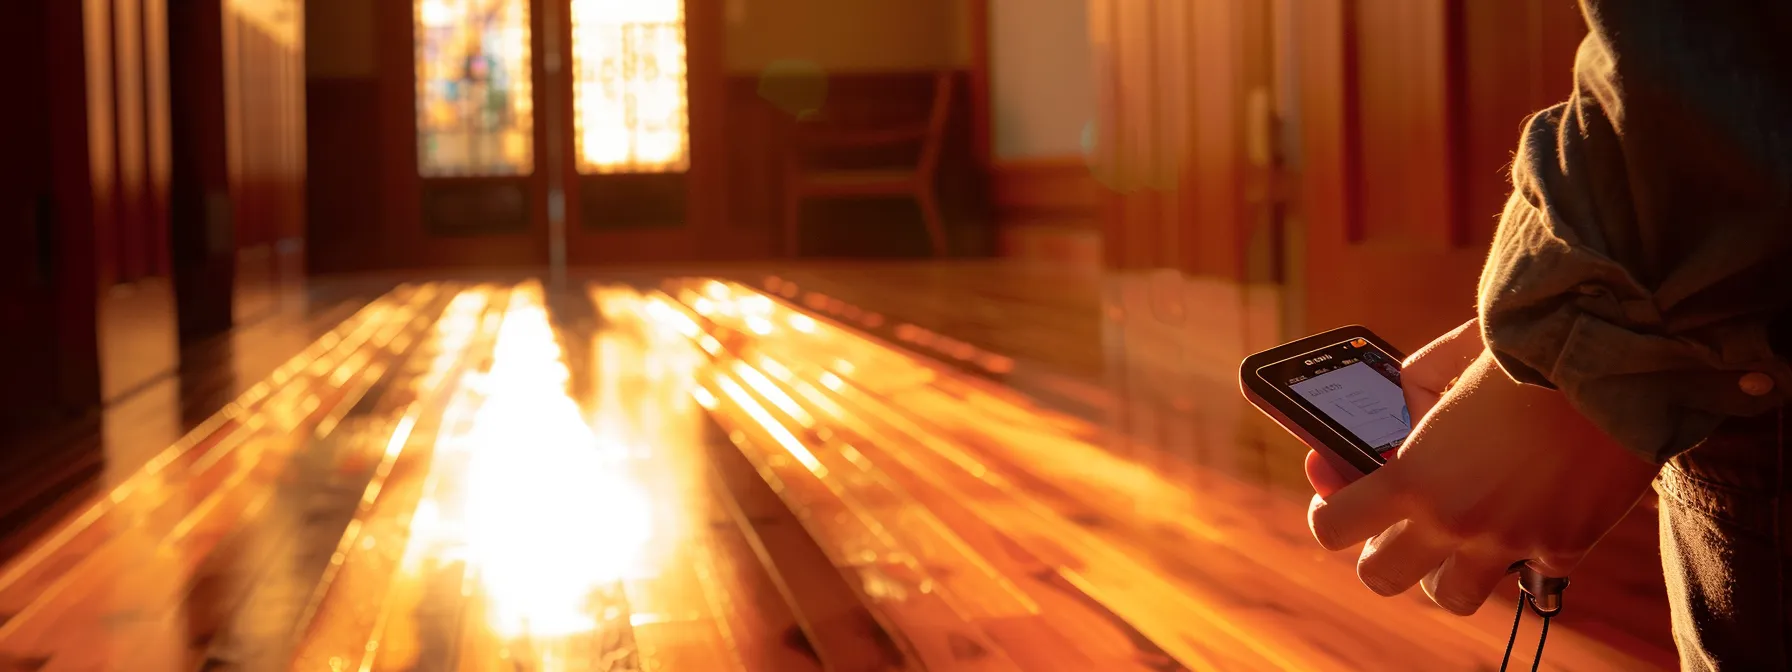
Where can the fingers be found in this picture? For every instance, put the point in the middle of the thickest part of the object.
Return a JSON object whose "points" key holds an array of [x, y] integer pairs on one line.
{"points": [[1462, 583], [1398, 558], [1325, 479], [1349, 515]]}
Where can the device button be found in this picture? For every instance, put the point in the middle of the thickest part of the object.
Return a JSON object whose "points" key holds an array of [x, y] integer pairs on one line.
{"points": [[1755, 384]]}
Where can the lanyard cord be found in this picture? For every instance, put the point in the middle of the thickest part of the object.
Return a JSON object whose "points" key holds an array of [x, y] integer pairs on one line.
{"points": [[1510, 639]]}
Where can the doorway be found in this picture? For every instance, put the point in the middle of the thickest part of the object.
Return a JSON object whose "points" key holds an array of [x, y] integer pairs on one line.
{"points": [[563, 131]]}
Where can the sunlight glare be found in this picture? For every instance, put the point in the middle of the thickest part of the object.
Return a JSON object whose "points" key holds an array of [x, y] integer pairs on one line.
{"points": [[552, 515], [629, 97]]}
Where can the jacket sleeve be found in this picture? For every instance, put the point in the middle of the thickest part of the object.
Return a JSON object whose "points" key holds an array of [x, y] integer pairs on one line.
{"points": [[1642, 256]]}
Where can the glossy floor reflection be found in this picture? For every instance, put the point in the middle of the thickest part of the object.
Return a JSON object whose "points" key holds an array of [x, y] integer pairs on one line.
{"points": [[693, 475]]}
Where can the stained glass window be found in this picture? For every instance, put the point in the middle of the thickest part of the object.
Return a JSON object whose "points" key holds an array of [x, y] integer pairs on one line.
{"points": [[475, 102], [629, 86]]}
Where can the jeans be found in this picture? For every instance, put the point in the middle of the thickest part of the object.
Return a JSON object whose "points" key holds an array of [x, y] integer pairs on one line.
{"points": [[1724, 532]]}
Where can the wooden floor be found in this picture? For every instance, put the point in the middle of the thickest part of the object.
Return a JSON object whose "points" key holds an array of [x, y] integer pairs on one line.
{"points": [[792, 469], [48, 468]]}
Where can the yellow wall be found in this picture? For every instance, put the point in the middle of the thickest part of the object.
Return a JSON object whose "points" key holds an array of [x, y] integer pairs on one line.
{"points": [[847, 35], [1042, 80], [279, 19]]}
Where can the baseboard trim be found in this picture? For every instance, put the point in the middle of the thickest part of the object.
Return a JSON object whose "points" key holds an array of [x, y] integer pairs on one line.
{"points": [[1056, 189]]}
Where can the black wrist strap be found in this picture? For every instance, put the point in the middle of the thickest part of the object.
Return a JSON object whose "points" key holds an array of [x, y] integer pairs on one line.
{"points": [[1512, 638]]}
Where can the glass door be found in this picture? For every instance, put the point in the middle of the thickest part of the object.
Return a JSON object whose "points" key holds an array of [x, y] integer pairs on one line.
{"points": [[477, 141], [630, 178], [564, 124], [475, 102], [630, 102]]}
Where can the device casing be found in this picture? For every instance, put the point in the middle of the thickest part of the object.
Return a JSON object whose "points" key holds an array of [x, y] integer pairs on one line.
{"points": [[1343, 454]]}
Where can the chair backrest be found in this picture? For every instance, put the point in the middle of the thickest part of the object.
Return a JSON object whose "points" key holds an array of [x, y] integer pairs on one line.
{"points": [[937, 119]]}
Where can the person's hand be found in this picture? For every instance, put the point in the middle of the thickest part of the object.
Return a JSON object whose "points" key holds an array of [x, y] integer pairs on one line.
{"points": [[1427, 373], [1423, 378], [1497, 472]]}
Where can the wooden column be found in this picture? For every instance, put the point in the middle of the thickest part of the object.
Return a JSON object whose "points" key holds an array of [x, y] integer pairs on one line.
{"points": [[55, 189], [202, 234], [161, 147]]}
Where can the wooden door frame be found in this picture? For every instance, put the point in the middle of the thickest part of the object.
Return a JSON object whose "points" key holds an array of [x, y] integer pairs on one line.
{"points": [[982, 137]]}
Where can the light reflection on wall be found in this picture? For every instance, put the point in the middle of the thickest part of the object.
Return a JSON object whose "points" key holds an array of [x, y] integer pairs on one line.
{"points": [[475, 96], [630, 105]]}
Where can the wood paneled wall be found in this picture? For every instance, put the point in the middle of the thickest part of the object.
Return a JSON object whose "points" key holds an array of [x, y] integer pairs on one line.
{"points": [[344, 141], [148, 138], [1409, 113], [96, 149], [1321, 147], [1047, 210], [265, 86], [1184, 89], [1042, 190], [267, 90], [344, 196]]}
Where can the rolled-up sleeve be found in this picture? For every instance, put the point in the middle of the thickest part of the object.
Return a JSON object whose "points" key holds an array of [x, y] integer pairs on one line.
{"points": [[1642, 256]]}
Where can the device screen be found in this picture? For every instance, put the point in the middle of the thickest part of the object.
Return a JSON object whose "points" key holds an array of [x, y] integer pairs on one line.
{"points": [[1353, 386]]}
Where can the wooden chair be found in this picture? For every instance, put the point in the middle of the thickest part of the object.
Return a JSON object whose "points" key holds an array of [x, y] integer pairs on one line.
{"points": [[803, 183]]}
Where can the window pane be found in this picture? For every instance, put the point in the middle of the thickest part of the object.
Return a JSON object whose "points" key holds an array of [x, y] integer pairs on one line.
{"points": [[629, 86], [475, 103]]}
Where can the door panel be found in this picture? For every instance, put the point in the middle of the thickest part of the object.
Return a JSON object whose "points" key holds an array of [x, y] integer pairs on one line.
{"points": [[1402, 112], [1409, 110]]}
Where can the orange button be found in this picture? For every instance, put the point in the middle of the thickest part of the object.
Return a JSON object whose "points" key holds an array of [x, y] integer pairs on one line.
{"points": [[1755, 384]]}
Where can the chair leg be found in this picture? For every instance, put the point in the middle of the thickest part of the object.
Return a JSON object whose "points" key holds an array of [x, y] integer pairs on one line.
{"points": [[793, 222], [936, 226]]}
